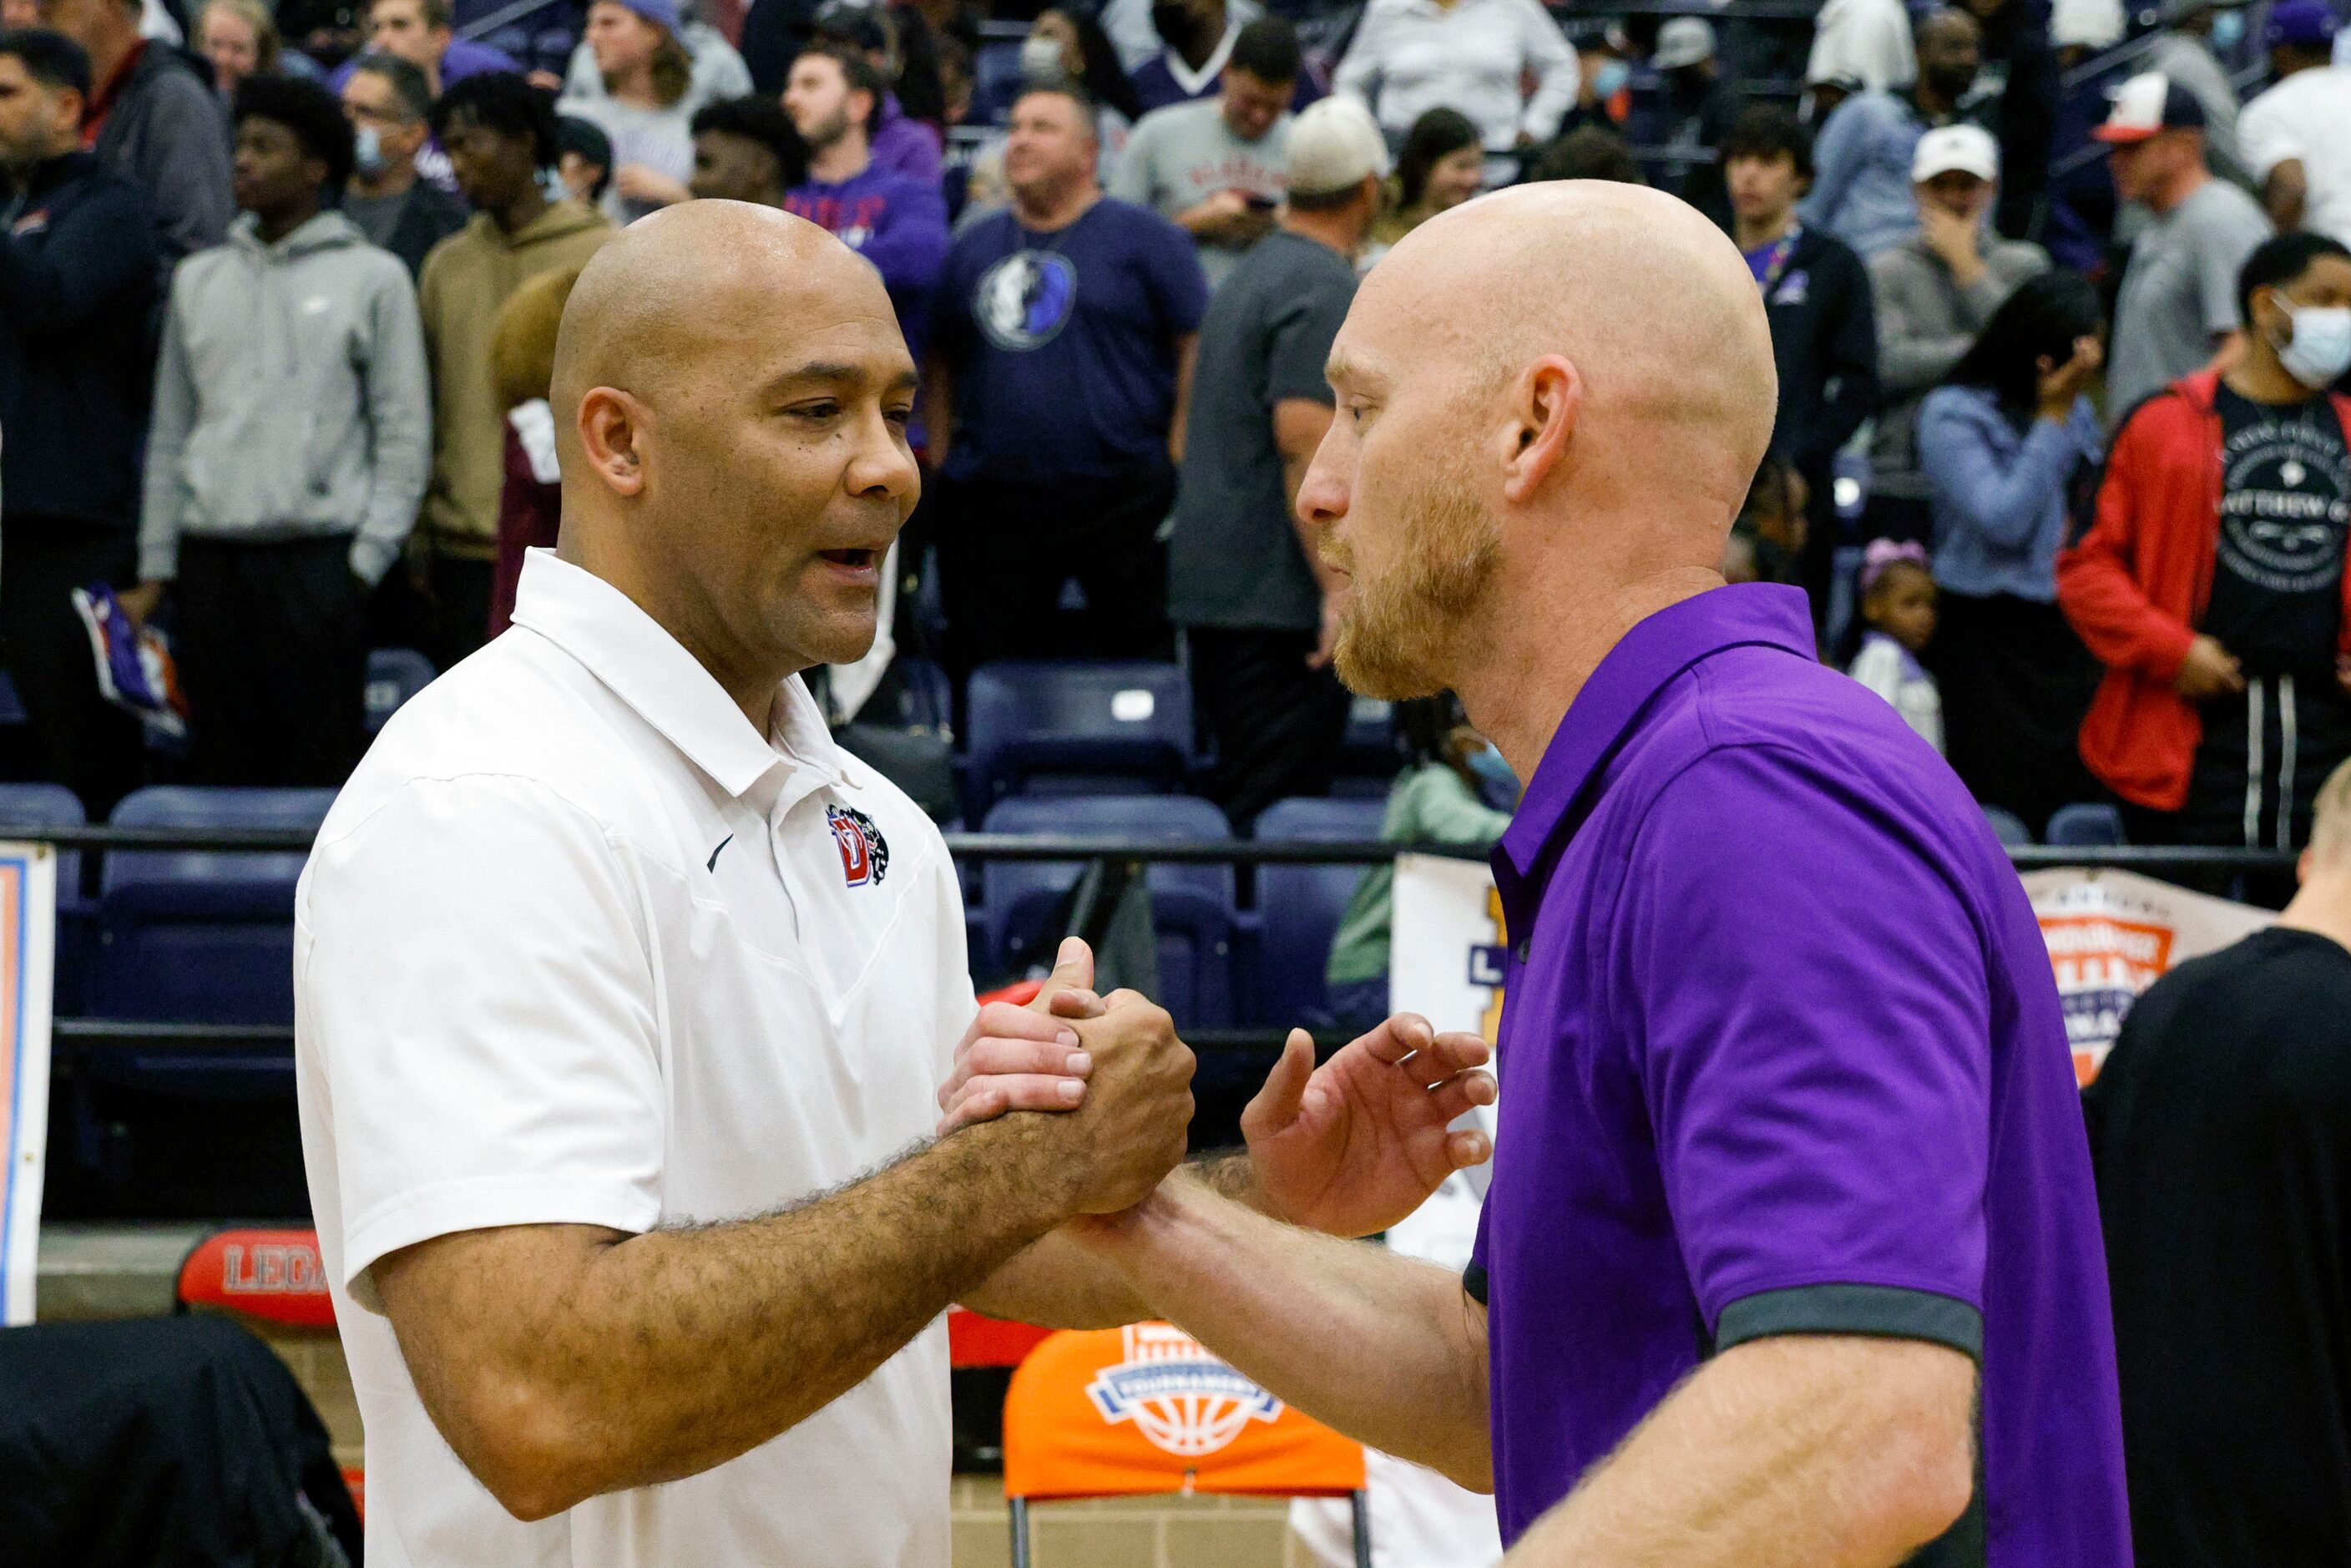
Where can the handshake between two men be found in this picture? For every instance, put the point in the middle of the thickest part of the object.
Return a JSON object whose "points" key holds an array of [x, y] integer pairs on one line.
{"points": [[565, 1362], [1348, 1148]]}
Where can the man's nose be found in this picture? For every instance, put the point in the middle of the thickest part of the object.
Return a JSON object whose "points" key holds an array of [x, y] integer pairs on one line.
{"points": [[1322, 493]]}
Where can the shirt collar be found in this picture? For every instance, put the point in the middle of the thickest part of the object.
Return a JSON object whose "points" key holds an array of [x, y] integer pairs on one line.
{"points": [[648, 669], [1612, 701], [1194, 83]]}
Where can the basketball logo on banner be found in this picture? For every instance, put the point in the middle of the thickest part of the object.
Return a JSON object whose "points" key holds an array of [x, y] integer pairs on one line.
{"points": [[1182, 1399], [2113, 934]]}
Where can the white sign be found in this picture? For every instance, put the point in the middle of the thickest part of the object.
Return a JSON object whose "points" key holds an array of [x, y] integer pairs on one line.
{"points": [[2113, 934], [28, 909], [1445, 963]]}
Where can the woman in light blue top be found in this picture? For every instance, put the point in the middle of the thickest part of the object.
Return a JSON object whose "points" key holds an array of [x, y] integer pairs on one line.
{"points": [[2001, 442]]}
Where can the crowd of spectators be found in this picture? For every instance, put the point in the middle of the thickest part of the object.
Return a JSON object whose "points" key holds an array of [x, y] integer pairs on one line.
{"points": [[278, 285]]}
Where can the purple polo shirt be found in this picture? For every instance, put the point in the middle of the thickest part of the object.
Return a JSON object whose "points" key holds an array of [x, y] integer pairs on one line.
{"points": [[1783, 1055]]}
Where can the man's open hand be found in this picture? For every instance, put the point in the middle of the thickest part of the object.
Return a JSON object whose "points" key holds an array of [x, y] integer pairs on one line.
{"points": [[1025, 1057], [1354, 1146]]}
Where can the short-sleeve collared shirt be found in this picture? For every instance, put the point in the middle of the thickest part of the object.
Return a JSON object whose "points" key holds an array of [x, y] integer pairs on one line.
{"points": [[1784, 1056], [578, 945]]}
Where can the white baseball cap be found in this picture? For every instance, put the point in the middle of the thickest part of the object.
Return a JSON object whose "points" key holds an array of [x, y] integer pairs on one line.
{"points": [[1962, 149], [1684, 41], [1334, 143]]}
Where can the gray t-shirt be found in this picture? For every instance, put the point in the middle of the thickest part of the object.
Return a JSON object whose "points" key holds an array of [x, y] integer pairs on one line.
{"points": [[376, 217], [1234, 558], [2180, 292], [1181, 155]]}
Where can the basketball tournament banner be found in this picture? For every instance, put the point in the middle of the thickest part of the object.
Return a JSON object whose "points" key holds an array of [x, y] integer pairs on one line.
{"points": [[27, 948], [2113, 934]]}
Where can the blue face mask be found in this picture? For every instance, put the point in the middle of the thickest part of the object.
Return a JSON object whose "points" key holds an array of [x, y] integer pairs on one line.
{"points": [[1495, 780], [2228, 31], [1609, 79], [367, 150]]}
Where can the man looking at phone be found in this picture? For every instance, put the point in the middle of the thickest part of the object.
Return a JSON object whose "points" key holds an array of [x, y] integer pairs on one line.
{"points": [[1214, 165]]}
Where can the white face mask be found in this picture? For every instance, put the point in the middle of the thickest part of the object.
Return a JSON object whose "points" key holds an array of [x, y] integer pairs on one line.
{"points": [[2319, 350], [1040, 58]]}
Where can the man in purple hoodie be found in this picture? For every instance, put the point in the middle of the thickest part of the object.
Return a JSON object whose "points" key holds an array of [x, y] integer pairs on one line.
{"points": [[901, 142], [423, 33], [897, 223]]}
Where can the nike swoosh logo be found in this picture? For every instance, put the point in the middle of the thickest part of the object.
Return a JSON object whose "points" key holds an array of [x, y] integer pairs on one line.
{"points": [[712, 865]]}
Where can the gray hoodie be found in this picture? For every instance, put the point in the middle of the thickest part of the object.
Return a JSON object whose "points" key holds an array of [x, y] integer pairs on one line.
{"points": [[291, 399]]}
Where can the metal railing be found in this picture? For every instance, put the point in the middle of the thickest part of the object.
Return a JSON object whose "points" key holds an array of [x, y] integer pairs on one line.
{"points": [[1112, 866]]}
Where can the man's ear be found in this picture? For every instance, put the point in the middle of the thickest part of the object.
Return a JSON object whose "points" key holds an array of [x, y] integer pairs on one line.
{"points": [[1546, 399], [613, 425]]}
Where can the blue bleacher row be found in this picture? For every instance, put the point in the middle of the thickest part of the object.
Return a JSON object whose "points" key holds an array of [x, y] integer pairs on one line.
{"points": [[178, 936], [1088, 749]]}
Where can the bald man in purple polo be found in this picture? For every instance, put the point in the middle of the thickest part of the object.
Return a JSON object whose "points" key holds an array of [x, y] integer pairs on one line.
{"points": [[1791, 1254]]}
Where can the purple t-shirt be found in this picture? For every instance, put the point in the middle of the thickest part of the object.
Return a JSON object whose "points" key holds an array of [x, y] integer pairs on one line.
{"points": [[898, 224], [1783, 1054]]}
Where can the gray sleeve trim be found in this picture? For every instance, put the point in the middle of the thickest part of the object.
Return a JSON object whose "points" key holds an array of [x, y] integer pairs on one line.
{"points": [[1885, 1311]]}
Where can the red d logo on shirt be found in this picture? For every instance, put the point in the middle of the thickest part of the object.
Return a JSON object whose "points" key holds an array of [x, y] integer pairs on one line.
{"points": [[864, 854]]}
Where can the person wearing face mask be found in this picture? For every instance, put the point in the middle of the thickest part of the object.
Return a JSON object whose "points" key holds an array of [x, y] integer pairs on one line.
{"points": [[2185, 51], [2227, 698], [387, 101], [1455, 789], [1861, 190], [1066, 49]]}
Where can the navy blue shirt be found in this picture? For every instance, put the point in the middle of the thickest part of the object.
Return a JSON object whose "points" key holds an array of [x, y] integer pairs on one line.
{"points": [[1063, 345]]}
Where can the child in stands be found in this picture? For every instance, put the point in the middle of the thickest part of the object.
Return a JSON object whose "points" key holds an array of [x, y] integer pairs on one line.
{"points": [[1447, 794], [1898, 600]]}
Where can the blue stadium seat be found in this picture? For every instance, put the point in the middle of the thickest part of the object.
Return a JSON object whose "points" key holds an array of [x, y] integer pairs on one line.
{"points": [[1191, 905], [1042, 727], [202, 937], [394, 675], [1298, 908], [2087, 824], [33, 806], [994, 77], [2008, 828]]}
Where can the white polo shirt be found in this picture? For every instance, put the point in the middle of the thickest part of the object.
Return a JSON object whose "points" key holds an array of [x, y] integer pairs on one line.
{"points": [[577, 945]]}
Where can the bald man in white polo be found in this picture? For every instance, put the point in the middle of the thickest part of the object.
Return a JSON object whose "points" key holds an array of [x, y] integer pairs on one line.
{"points": [[623, 996]]}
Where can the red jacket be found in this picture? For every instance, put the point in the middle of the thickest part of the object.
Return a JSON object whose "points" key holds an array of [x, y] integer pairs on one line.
{"points": [[2136, 586]]}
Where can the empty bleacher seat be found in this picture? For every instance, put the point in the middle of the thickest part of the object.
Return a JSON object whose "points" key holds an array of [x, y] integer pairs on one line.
{"points": [[1024, 902], [31, 806], [202, 936], [1043, 727], [1299, 906], [2087, 824], [394, 675], [2008, 828]]}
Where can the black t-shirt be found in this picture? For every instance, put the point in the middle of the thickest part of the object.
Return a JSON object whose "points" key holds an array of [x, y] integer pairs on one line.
{"points": [[2285, 499], [2220, 1130]]}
